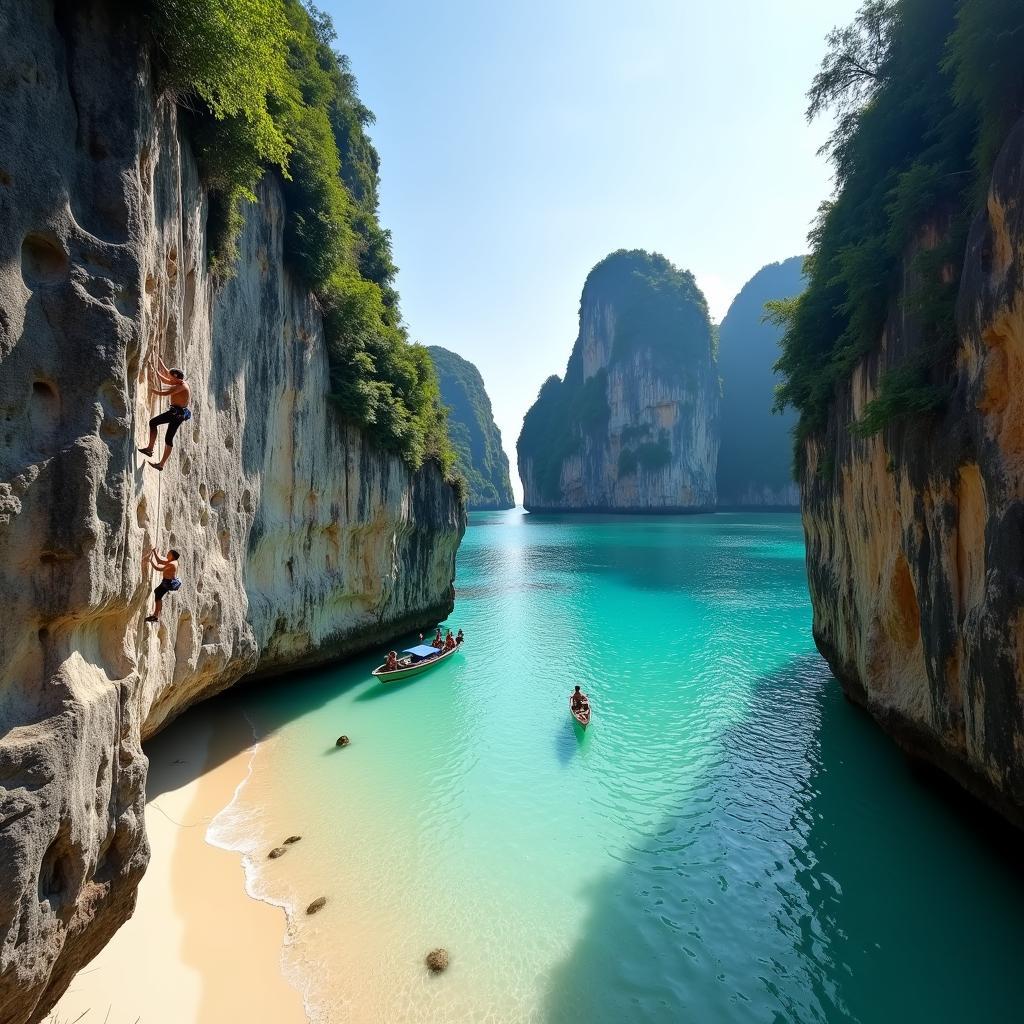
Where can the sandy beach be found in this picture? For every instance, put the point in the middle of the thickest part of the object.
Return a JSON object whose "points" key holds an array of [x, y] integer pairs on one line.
{"points": [[198, 950]]}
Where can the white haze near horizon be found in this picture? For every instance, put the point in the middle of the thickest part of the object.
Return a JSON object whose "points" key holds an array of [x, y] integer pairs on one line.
{"points": [[522, 143]]}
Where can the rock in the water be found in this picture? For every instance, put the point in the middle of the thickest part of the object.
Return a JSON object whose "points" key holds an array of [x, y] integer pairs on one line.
{"points": [[343, 741], [292, 839], [475, 436], [277, 851], [437, 960], [755, 460], [633, 426], [318, 904]]}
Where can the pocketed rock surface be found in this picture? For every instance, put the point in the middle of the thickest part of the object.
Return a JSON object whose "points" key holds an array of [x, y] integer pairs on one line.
{"points": [[300, 541], [915, 537]]}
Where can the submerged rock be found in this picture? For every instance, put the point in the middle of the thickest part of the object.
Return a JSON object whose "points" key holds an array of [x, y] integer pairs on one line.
{"points": [[343, 741], [277, 851], [318, 904], [437, 960]]}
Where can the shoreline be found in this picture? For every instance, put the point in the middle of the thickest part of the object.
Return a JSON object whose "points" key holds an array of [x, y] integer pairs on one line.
{"points": [[199, 949]]}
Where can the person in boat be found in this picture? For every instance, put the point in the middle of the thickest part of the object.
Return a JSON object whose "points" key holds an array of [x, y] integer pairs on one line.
{"points": [[449, 641], [391, 662], [437, 638], [460, 636], [179, 393], [579, 701], [168, 568]]}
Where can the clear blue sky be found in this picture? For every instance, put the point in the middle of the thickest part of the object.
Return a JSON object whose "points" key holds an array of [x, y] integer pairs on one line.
{"points": [[521, 142]]}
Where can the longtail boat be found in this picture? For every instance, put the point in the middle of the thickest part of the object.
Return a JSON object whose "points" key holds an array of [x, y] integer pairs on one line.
{"points": [[416, 660]]}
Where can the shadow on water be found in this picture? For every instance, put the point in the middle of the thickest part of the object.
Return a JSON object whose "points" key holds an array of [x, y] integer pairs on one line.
{"points": [[377, 690], [809, 876], [569, 741], [272, 703]]}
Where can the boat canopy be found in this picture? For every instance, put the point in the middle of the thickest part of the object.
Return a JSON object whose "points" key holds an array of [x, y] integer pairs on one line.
{"points": [[422, 651]]}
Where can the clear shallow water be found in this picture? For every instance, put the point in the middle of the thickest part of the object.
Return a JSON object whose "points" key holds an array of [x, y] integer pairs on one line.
{"points": [[729, 841]]}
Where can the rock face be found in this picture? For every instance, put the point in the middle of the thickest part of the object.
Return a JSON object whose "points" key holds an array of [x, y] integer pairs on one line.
{"points": [[756, 454], [633, 426], [300, 541], [474, 434], [915, 537]]}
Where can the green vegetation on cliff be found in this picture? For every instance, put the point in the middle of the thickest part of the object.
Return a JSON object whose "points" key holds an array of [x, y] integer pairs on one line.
{"points": [[924, 91], [755, 451], [266, 91], [658, 309], [476, 439]]}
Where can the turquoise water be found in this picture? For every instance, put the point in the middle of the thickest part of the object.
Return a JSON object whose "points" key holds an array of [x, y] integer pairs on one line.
{"points": [[729, 841]]}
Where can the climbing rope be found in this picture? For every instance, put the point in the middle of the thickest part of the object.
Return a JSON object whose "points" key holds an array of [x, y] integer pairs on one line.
{"points": [[160, 478]]}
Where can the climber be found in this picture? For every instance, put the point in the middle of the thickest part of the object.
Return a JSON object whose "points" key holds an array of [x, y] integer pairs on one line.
{"points": [[168, 567], [177, 414]]}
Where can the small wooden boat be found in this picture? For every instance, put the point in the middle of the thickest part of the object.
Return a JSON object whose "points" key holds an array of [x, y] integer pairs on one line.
{"points": [[417, 659], [582, 716]]}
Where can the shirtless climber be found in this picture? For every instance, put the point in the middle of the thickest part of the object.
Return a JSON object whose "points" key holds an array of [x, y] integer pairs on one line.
{"points": [[177, 414], [168, 567]]}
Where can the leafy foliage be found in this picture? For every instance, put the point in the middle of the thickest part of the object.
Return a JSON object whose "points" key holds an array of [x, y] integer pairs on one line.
{"points": [[984, 55], [649, 457], [903, 391], [266, 91], [924, 90], [475, 438], [657, 307]]}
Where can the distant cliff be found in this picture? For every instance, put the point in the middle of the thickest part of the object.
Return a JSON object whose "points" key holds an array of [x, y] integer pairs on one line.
{"points": [[905, 360], [302, 539], [755, 460], [475, 436], [633, 425]]}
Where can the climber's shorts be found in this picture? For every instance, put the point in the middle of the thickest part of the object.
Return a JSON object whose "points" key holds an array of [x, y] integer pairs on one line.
{"points": [[174, 417], [165, 587]]}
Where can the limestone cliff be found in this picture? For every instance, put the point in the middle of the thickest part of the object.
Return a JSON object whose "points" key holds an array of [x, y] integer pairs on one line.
{"points": [[633, 426], [915, 537], [300, 541], [756, 454], [475, 436]]}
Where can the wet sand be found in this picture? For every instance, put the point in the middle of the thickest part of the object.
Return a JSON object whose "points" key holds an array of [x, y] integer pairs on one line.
{"points": [[198, 949]]}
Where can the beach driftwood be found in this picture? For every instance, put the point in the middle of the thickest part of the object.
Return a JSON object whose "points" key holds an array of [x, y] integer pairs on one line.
{"points": [[437, 960]]}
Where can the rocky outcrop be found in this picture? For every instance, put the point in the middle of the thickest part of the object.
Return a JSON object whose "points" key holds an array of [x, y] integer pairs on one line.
{"points": [[633, 426], [475, 436], [300, 541], [756, 454], [915, 537]]}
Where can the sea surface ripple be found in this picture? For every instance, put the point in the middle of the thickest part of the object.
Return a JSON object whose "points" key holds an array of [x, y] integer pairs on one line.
{"points": [[729, 841]]}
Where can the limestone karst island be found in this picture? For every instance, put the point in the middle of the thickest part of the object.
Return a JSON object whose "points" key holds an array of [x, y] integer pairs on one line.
{"points": [[511, 513]]}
